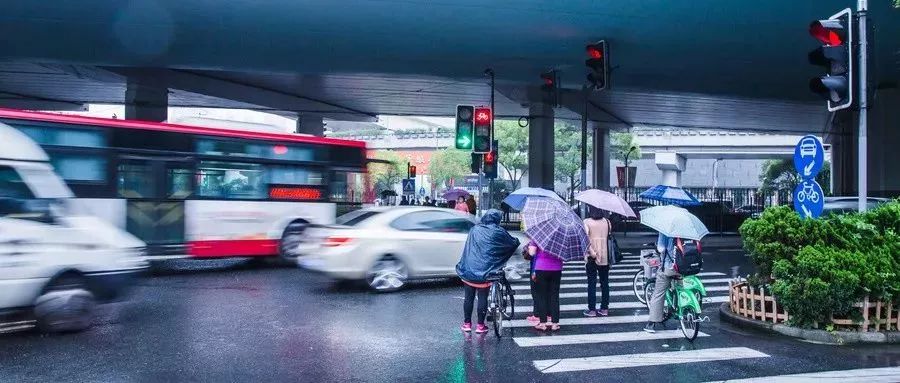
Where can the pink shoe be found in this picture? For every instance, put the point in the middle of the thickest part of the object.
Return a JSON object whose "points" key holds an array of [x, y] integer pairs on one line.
{"points": [[481, 329], [466, 327], [603, 313], [533, 320]]}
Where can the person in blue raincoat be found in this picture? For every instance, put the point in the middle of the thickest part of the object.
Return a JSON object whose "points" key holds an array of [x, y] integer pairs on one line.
{"points": [[487, 250]]}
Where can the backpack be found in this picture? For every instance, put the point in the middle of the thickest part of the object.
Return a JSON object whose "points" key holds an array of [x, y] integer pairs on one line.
{"points": [[688, 258]]}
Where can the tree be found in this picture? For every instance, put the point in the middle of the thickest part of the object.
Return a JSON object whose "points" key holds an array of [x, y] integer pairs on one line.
{"points": [[621, 143], [513, 142], [387, 175], [567, 162], [780, 175], [449, 164]]}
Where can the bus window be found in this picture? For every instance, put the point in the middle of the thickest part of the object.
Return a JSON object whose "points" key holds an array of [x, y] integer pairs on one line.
{"points": [[45, 135], [347, 186], [179, 182], [136, 180], [291, 175], [79, 167], [231, 180]]}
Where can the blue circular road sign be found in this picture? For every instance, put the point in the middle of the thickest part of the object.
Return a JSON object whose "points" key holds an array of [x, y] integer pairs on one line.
{"points": [[809, 156], [809, 199]]}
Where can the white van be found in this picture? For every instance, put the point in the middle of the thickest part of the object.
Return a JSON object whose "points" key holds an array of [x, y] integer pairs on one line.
{"points": [[54, 266]]}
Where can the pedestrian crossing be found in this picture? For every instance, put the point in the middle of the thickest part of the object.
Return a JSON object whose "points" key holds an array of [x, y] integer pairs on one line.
{"points": [[622, 329]]}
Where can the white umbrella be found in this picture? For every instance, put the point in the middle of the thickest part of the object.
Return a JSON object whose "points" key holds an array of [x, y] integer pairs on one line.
{"points": [[674, 221], [516, 199]]}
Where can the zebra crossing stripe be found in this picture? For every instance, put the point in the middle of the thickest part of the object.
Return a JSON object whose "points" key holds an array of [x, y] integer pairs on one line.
{"points": [[617, 305], [614, 277], [647, 359], [617, 293], [609, 337], [618, 284], [630, 270], [618, 319], [862, 375]]}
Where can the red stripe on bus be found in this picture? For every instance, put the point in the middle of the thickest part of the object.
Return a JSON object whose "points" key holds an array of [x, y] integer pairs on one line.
{"points": [[165, 127], [233, 248]]}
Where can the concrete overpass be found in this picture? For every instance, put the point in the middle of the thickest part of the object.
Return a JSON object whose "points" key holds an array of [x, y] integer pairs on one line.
{"points": [[700, 64]]}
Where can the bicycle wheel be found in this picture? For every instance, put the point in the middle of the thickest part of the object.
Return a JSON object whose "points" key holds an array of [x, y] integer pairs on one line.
{"points": [[497, 321], [690, 327], [638, 285], [509, 309]]}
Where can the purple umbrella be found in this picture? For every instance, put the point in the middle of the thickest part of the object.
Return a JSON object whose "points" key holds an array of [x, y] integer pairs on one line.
{"points": [[453, 194], [555, 228], [606, 201]]}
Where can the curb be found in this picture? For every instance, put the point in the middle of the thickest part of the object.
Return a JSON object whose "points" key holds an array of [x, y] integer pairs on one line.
{"points": [[821, 336]]}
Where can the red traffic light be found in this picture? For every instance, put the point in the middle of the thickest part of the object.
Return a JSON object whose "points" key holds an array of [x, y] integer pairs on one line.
{"points": [[412, 171], [489, 157], [594, 52], [482, 115], [827, 31]]}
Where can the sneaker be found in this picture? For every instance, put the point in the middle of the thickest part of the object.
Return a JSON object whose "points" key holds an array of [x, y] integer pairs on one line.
{"points": [[466, 327], [533, 320], [589, 313], [650, 327], [603, 313], [481, 329]]}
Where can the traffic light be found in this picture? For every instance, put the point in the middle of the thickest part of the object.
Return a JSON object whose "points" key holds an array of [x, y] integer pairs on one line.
{"points": [[483, 130], [476, 163], [464, 122], [411, 170], [490, 162], [550, 85], [836, 56], [598, 64]]}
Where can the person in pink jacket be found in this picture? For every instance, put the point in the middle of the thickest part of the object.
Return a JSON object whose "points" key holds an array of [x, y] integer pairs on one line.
{"points": [[547, 277]]}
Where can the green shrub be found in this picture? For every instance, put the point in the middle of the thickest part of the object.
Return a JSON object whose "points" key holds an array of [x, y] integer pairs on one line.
{"points": [[778, 234], [819, 281]]}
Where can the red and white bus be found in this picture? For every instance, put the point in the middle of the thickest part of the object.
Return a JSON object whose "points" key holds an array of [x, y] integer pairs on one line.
{"points": [[200, 192]]}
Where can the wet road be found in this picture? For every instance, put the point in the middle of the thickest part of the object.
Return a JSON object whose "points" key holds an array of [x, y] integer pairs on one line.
{"points": [[235, 321]]}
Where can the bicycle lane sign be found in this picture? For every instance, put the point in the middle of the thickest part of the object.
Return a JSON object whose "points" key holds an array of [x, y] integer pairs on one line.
{"points": [[809, 156], [809, 199]]}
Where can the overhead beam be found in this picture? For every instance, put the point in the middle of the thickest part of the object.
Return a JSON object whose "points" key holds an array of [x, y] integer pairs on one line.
{"points": [[248, 93]]}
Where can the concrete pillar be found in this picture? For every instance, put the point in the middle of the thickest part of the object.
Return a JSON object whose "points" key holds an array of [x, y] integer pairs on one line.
{"points": [[540, 146], [671, 164], [146, 103], [884, 143], [602, 154], [842, 139], [311, 124]]}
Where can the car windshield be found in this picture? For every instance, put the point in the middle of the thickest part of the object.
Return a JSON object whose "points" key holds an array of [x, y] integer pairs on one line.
{"points": [[353, 218]]}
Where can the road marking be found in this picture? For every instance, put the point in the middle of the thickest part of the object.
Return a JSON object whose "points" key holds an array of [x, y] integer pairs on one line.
{"points": [[631, 336], [630, 270], [614, 277], [617, 293], [618, 319], [863, 375], [648, 359], [618, 305], [623, 263], [617, 284]]}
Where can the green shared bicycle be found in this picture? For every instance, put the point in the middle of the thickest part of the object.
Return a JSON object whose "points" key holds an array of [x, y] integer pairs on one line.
{"points": [[683, 301]]}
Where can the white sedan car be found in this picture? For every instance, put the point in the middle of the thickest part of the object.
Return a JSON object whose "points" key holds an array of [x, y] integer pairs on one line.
{"points": [[387, 246]]}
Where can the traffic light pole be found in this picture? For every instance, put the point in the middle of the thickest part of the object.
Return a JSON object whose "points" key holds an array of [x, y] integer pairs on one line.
{"points": [[863, 177], [490, 72]]}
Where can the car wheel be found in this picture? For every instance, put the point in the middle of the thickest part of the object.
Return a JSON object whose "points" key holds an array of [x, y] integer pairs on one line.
{"points": [[66, 305], [387, 274], [292, 237]]}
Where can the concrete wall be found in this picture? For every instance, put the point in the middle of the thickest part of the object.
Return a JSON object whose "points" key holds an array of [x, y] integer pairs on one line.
{"points": [[699, 173]]}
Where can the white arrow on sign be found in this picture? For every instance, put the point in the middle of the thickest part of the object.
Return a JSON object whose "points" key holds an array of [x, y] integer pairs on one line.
{"points": [[807, 170], [806, 211]]}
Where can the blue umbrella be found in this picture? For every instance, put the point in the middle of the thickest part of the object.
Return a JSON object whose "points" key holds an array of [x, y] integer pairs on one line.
{"points": [[555, 228], [670, 195], [516, 199]]}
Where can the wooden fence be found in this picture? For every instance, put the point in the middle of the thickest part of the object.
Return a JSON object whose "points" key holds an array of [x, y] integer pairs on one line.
{"points": [[759, 304]]}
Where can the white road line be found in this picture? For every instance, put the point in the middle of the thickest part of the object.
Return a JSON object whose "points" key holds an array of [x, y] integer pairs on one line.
{"points": [[617, 319], [648, 359], [630, 270], [862, 375], [615, 277], [631, 336], [618, 293], [616, 305], [617, 284]]}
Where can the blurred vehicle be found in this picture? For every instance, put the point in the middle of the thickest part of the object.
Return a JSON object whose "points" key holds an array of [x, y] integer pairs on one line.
{"points": [[849, 204], [752, 211], [388, 246], [54, 266], [200, 192]]}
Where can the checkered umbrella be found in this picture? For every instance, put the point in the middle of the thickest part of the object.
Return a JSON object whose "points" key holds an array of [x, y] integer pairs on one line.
{"points": [[555, 228]]}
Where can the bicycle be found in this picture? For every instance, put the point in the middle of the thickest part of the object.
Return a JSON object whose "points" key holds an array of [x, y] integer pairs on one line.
{"points": [[650, 264], [501, 302], [684, 299]]}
